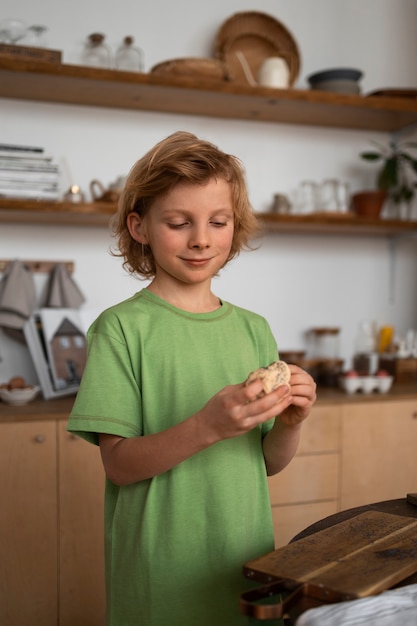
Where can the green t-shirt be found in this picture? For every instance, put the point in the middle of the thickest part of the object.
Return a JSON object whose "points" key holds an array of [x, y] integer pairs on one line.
{"points": [[175, 544]]}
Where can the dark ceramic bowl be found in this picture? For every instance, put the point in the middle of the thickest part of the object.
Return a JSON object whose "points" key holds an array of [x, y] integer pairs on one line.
{"points": [[338, 86], [335, 74]]}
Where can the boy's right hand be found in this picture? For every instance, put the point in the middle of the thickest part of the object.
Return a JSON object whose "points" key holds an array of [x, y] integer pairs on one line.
{"points": [[236, 409]]}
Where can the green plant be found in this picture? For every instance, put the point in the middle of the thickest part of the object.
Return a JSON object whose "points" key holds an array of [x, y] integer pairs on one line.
{"points": [[398, 169]]}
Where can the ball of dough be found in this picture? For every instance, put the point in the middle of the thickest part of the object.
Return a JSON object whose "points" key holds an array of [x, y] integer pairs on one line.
{"points": [[276, 374]]}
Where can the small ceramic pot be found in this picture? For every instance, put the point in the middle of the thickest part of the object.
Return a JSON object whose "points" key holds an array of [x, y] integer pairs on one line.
{"points": [[274, 72], [368, 203]]}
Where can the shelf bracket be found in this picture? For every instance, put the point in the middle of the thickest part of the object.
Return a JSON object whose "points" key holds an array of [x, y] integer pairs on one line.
{"points": [[393, 242]]}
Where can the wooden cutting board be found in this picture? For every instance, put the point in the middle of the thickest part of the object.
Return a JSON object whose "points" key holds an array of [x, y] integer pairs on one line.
{"points": [[356, 558]]}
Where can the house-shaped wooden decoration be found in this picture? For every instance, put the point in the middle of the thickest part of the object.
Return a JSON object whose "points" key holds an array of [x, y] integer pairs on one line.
{"points": [[69, 351]]}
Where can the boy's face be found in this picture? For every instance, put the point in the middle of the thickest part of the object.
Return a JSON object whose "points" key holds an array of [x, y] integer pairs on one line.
{"points": [[190, 231]]}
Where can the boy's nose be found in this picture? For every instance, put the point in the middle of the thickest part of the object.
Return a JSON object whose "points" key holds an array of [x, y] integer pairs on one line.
{"points": [[199, 239]]}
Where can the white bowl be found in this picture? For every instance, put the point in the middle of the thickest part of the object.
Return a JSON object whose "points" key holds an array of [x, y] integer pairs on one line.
{"points": [[384, 383], [19, 396]]}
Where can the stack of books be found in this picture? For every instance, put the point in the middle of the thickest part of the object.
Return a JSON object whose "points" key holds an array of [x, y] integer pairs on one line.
{"points": [[27, 172]]}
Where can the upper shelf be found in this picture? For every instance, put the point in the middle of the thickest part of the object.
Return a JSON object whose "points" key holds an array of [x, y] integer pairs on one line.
{"points": [[71, 84]]}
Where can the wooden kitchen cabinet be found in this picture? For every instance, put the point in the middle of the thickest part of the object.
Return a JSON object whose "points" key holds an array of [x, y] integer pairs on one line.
{"points": [[81, 532], [28, 524], [51, 527], [308, 488], [379, 451]]}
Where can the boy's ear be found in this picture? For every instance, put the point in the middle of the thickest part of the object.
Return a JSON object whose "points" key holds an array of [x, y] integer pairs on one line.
{"points": [[136, 227]]}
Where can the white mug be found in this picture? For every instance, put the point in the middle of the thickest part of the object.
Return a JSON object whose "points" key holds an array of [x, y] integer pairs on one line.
{"points": [[274, 72]]}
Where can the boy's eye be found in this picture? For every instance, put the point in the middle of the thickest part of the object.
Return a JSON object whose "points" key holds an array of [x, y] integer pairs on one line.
{"points": [[218, 223], [179, 225]]}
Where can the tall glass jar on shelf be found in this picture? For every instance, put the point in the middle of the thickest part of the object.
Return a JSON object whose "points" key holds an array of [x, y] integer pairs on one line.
{"points": [[96, 52], [129, 58]]}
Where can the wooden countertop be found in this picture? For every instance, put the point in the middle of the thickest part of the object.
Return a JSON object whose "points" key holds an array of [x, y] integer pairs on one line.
{"points": [[59, 408], [39, 409]]}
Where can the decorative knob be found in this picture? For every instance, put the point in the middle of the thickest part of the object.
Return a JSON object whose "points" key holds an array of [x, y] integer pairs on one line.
{"points": [[40, 438]]}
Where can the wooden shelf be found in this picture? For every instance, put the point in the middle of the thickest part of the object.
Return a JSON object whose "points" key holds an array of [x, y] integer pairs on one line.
{"points": [[330, 224], [70, 84], [15, 211]]}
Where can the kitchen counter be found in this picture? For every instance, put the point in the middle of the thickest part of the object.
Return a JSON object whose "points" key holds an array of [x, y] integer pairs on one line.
{"points": [[59, 408], [38, 409]]}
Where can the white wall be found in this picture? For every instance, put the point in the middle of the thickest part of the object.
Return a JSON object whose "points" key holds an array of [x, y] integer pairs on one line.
{"points": [[295, 281]]}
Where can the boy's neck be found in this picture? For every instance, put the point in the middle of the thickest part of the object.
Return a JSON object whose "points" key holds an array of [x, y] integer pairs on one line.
{"points": [[191, 299]]}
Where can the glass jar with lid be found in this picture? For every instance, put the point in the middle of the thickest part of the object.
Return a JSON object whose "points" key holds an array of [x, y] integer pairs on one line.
{"points": [[324, 351], [36, 36], [324, 342], [96, 53], [129, 57]]}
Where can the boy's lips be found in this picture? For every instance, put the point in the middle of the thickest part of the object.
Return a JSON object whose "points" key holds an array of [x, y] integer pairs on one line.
{"points": [[197, 262]]}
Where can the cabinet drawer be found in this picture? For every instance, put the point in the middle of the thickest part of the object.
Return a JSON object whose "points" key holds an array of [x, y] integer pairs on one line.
{"points": [[306, 479], [321, 430], [290, 520]]}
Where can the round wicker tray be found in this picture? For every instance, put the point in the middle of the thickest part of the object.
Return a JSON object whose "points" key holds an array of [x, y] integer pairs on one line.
{"points": [[252, 36], [201, 68]]}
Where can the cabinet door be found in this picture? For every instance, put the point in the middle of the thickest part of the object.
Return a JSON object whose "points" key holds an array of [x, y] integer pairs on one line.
{"points": [[28, 524], [307, 490], [379, 452], [291, 520], [81, 584]]}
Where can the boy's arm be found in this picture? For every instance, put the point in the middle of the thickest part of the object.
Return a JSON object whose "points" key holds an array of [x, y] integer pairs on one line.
{"points": [[233, 411], [281, 443]]}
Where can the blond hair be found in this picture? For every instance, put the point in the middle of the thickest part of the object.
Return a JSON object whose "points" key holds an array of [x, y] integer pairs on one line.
{"points": [[181, 157]]}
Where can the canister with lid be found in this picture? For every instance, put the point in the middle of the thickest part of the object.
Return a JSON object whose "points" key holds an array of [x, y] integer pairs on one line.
{"points": [[324, 342]]}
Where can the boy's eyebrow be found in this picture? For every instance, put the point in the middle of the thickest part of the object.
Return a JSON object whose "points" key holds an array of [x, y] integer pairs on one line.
{"points": [[175, 211]]}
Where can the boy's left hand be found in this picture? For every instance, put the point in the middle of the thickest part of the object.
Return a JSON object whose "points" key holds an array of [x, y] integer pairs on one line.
{"points": [[303, 391]]}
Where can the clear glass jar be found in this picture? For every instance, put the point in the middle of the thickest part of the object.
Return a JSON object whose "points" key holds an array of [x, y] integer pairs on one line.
{"points": [[129, 57], [12, 31], [96, 53], [329, 195], [36, 36], [324, 343], [307, 197]]}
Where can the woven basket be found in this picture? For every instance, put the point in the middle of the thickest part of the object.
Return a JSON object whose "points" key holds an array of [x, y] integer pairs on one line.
{"points": [[201, 68], [254, 36]]}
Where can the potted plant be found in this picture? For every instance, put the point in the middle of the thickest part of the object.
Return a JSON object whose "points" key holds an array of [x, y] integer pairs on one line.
{"points": [[394, 179]]}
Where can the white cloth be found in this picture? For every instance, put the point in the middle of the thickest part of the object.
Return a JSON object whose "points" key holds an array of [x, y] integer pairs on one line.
{"points": [[396, 606]]}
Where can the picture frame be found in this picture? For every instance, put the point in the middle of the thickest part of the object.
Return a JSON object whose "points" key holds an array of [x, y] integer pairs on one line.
{"points": [[56, 340]]}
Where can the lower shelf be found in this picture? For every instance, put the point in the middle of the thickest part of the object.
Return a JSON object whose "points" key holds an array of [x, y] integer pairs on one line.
{"points": [[14, 211], [335, 224]]}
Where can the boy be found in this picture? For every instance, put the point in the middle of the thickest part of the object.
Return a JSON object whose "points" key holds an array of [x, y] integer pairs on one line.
{"points": [[186, 446]]}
